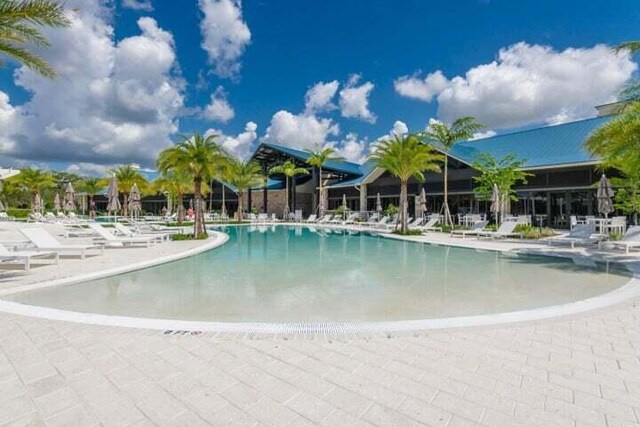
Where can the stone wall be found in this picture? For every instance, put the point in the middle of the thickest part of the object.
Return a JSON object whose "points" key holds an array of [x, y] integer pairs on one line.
{"points": [[276, 201]]}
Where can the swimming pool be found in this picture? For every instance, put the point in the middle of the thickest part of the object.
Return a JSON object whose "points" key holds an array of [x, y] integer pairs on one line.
{"points": [[302, 274]]}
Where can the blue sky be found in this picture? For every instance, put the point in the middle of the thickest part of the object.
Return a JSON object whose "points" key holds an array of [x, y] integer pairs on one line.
{"points": [[274, 51]]}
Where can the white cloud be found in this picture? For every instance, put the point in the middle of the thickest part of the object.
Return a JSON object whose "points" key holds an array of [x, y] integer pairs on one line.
{"points": [[423, 89], [225, 35], [89, 169], [399, 128], [531, 84], [144, 5], [351, 148], [300, 130], [354, 100], [113, 102], [10, 123], [481, 135], [240, 145], [219, 108], [319, 96]]}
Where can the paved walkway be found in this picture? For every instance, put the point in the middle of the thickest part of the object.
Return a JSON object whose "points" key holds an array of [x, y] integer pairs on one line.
{"points": [[573, 371]]}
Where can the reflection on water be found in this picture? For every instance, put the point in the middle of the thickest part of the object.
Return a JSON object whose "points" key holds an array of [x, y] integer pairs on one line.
{"points": [[268, 273]]}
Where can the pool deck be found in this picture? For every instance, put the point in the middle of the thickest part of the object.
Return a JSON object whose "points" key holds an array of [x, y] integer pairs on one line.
{"points": [[582, 369]]}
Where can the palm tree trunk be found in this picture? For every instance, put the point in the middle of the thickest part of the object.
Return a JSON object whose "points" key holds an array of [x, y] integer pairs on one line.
{"points": [[321, 210], [125, 204], [198, 224], [286, 196], [179, 209], [445, 207], [403, 206], [240, 195]]}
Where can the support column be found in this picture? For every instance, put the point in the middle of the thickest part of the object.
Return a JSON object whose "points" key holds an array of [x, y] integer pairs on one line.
{"points": [[363, 197], [264, 193]]}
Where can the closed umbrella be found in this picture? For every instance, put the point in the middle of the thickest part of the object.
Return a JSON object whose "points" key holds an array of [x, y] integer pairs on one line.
{"points": [[423, 202], [605, 196], [69, 198], [378, 203], [37, 203], [495, 201], [113, 204], [135, 205], [56, 203]]}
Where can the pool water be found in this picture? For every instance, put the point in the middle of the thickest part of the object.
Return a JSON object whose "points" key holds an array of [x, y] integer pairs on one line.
{"points": [[302, 274]]}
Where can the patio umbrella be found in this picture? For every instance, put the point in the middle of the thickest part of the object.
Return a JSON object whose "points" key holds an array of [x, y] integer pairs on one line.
{"points": [[223, 211], [416, 205], [37, 203], [113, 204], [605, 196], [378, 203], [69, 198], [56, 203], [134, 201], [495, 201], [423, 202]]}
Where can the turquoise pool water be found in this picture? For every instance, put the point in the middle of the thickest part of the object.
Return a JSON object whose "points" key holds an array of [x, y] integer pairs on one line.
{"points": [[291, 274]]}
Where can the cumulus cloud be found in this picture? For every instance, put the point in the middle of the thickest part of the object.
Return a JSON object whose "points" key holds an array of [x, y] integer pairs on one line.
{"points": [[224, 35], [481, 135], [240, 145], [144, 5], [399, 128], [318, 98], [219, 108], [300, 130], [351, 148], [113, 102], [420, 88], [10, 123], [354, 100], [531, 84], [89, 169]]}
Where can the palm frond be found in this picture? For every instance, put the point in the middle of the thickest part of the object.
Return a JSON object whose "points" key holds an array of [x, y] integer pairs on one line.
{"points": [[632, 47], [28, 59]]}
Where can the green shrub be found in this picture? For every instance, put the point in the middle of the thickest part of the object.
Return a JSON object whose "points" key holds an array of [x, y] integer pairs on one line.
{"points": [[531, 232], [391, 210], [18, 213], [179, 237]]}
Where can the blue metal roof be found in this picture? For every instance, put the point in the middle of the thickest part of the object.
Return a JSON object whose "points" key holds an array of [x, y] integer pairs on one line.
{"points": [[341, 166], [540, 147]]}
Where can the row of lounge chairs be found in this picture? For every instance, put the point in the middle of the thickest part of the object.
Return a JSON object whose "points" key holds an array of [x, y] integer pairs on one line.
{"points": [[42, 244]]}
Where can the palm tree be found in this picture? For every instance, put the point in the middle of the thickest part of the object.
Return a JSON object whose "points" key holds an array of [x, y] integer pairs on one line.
{"points": [[19, 22], [175, 185], [318, 157], [443, 137], [405, 156], [34, 181], [289, 170], [202, 159], [243, 175], [127, 175], [92, 186]]}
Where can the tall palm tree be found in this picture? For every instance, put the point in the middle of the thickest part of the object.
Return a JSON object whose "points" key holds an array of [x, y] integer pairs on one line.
{"points": [[176, 185], [92, 186], [34, 181], [318, 157], [19, 27], [243, 175], [289, 170], [405, 156], [201, 158], [127, 175], [443, 136]]}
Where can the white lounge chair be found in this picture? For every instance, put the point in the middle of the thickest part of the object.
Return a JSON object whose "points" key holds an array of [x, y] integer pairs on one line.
{"points": [[372, 220], [25, 256], [631, 239], [112, 240], [351, 219], [127, 232], [580, 234], [430, 225], [382, 223], [476, 228], [46, 242], [312, 218], [416, 223], [505, 230], [325, 219]]}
